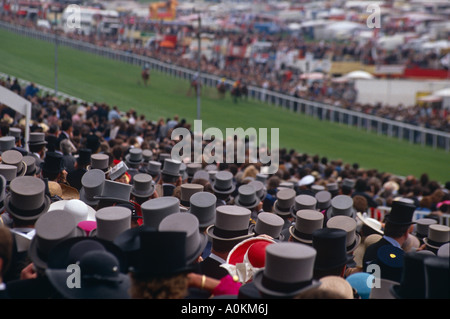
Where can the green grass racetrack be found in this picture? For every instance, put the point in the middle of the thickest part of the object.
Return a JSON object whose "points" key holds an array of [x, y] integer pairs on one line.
{"points": [[94, 78]]}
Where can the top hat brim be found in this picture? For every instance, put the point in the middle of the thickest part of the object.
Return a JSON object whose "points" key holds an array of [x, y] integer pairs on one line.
{"points": [[171, 173], [239, 203], [10, 210], [210, 233], [58, 278], [303, 240], [280, 212], [59, 255], [83, 198], [329, 213], [355, 243], [427, 242], [258, 282], [225, 192], [252, 229], [143, 194], [106, 171], [36, 257], [204, 241]]}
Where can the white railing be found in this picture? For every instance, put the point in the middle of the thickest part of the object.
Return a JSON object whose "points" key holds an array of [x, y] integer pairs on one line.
{"points": [[413, 133]]}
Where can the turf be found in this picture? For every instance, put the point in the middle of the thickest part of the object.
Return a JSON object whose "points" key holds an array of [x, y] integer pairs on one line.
{"points": [[94, 78]]}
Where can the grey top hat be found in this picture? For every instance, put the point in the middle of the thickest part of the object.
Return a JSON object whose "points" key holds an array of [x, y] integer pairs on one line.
{"points": [[262, 178], [16, 132], [134, 156], [51, 228], [323, 199], [143, 185], [223, 183], [438, 235], [115, 191], [285, 184], [32, 168], [284, 202], [12, 157], [317, 188], [187, 190], [93, 182], [26, 199], [111, 221], [303, 201], [288, 270], [232, 223], [171, 167], [306, 222], [261, 190], [348, 224], [154, 168], [269, 224], [247, 197], [154, 210], [201, 174], [203, 206], [163, 156], [341, 205], [192, 168], [9, 172], [422, 225], [7, 143], [349, 183], [444, 251], [332, 187], [147, 155], [99, 161], [195, 240], [118, 170], [37, 138]]}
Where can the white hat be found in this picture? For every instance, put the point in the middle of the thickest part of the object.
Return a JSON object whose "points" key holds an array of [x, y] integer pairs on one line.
{"points": [[75, 207]]}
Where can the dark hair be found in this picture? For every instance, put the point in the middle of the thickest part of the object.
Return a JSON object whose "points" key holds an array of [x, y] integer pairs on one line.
{"points": [[395, 230], [66, 124], [169, 178]]}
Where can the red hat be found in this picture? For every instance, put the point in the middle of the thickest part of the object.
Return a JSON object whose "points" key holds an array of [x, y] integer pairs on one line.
{"points": [[256, 249]]}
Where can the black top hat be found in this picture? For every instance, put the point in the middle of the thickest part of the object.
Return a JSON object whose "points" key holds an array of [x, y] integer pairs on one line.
{"points": [[391, 262], [330, 244], [412, 282], [401, 213], [53, 163], [437, 278], [159, 254], [84, 156], [100, 278], [70, 251]]}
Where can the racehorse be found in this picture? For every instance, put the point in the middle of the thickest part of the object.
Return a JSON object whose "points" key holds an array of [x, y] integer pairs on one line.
{"points": [[145, 76], [221, 89]]}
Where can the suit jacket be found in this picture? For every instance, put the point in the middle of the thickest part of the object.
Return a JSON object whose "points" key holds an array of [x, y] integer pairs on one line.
{"points": [[211, 268], [386, 271], [38, 288]]}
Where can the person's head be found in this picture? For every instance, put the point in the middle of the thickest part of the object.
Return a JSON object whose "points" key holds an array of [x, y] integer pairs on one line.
{"points": [[66, 125], [6, 245]]}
